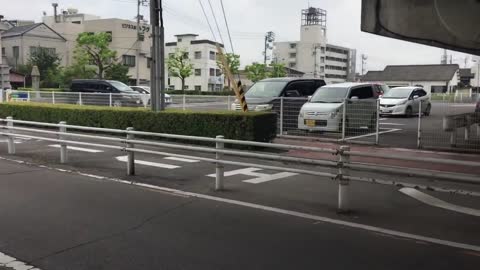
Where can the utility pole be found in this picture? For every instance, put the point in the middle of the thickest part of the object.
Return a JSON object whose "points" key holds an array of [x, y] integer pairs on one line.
{"points": [[137, 56], [157, 68], [364, 63]]}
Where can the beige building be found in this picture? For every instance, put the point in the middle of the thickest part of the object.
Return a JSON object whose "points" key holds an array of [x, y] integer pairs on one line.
{"points": [[131, 52], [4, 69], [206, 76]]}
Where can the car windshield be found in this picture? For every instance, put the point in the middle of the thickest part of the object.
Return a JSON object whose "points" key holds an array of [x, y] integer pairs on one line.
{"points": [[398, 93], [266, 89], [329, 95], [122, 87], [385, 88], [142, 90]]}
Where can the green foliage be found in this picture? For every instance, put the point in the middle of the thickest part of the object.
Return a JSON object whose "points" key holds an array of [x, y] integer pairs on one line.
{"points": [[117, 72], [256, 72], [233, 62], [180, 66], [77, 71], [253, 126], [94, 49], [277, 71]]}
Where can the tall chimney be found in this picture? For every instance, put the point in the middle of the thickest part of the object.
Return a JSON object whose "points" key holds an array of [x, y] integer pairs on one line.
{"points": [[55, 5]]}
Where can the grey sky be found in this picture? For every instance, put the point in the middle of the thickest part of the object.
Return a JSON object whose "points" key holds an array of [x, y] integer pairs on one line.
{"points": [[249, 20]]}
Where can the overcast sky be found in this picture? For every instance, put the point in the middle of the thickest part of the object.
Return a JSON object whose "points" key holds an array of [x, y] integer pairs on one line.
{"points": [[249, 20]]}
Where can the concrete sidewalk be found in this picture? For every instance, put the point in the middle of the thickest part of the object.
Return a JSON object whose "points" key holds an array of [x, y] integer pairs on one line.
{"points": [[56, 220], [388, 151]]}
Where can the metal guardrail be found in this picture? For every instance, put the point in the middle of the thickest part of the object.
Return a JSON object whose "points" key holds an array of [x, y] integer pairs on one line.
{"points": [[131, 144]]}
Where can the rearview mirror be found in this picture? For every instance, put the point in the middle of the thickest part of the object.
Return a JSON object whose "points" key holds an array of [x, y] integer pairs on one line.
{"points": [[354, 98], [415, 97], [309, 98]]}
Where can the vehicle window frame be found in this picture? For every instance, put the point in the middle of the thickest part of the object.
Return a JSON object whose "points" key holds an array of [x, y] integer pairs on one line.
{"points": [[311, 88], [372, 90]]}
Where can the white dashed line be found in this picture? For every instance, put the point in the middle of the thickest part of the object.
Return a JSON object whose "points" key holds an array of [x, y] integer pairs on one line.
{"points": [[259, 177], [392, 124], [148, 163], [88, 150], [183, 159], [11, 262], [432, 201]]}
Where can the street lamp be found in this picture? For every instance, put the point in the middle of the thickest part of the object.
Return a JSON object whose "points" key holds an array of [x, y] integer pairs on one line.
{"points": [[477, 74]]}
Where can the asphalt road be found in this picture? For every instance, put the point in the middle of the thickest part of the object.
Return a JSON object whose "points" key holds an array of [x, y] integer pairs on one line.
{"points": [[206, 234]]}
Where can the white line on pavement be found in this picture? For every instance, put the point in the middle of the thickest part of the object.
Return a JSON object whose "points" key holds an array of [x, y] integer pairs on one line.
{"points": [[183, 159], [432, 201], [259, 177], [148, 163], [176, 192], [88, 150], [392, 124], [12, 263], [373, 134]]}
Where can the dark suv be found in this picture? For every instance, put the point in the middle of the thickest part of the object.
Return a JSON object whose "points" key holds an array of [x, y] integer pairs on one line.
{"points": [[265, 95], [104, 92]]}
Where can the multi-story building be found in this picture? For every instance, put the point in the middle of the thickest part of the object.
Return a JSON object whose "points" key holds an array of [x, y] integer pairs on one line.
{"points": [[4, 69], [132, 46], [313, 55], [206, 76]]}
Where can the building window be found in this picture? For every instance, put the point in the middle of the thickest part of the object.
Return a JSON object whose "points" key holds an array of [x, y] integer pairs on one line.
{"points": [[171, 87], [212, 72], [36, 50], [198, 88], [179, 40], [185, 87], [322, 69], [322, 59], [198, 72], [16, 51], [198, 55], [293, 55], [3, 51], [128, 60], [218, 72], [322, 49], [149, 62], [293, 45], [212, 56], [291, 65]]}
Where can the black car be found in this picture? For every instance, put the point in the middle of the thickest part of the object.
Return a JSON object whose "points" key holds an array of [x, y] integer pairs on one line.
{"points": [[266, 95], [103, 92]]}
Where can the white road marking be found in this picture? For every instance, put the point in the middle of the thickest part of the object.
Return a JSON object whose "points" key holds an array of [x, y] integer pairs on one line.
{"points": [[463, 105], [148, 163], [11, 262], [259, 177], [183, 159], [382, 119], [392, 124], [432, 201], [373, 134], [81, 149], [369, 228]]}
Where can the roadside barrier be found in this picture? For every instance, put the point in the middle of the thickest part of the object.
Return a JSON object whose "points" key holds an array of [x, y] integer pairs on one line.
{"points": [[340, 168]]}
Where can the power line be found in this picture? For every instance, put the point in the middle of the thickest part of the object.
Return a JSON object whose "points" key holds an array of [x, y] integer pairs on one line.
{"points": [[216, 22], [228, 28], [208, 21]]}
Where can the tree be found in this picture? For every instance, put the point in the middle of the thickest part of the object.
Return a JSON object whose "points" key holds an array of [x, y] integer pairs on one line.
{"points": [[94, 49], [117, 72], [256, 72], [179, 66], [76, 71], [277, 71], [47, 62], [233, 64]]}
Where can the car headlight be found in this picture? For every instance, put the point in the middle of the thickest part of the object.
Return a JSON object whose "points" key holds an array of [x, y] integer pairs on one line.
{"points": [[301, 114], [402, 103], [335, 113], [263, 107]]}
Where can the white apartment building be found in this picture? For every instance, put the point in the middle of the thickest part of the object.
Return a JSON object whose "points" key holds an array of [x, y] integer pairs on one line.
{"points": [[202, 53], [4, 69], [131, 52], [313, 55]]}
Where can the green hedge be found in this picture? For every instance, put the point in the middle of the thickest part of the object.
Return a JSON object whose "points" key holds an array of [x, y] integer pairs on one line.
{"points": [[233, 125]]}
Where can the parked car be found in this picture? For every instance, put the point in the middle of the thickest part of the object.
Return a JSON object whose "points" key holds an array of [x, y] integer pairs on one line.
{"points": [[381, 88], [265, 95], [324, 111], [405, 101], [477, 107], [146, 90], [122, 95]]}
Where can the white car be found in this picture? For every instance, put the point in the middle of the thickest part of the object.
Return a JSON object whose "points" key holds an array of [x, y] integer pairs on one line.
{"points": [[324, 110], [146, 90], [405, 101]]}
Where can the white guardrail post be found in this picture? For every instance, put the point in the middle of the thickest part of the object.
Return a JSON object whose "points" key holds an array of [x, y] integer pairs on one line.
{"points": [[184, 99], [53, 97], [344, 119], [229, 107], [110, 100], [80, 102], [377, 124], [281, 116], [219, 167], [10, 139], [419, 128], [130, 154], [343, 183], [63, 146]]}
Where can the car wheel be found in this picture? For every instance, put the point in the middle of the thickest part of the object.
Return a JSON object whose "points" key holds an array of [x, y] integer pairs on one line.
{"points": [[427, 110], [408, 112]]}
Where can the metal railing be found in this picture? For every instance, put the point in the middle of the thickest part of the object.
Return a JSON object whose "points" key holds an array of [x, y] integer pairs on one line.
{"points": [[132, 142]]}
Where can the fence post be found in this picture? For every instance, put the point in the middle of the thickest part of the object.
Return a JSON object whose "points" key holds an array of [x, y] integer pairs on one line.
{"points": [[80, 102], [343, 184], [28, 96], [344, 119], [110, 103], [467, 133], [130, 154], [377, 124], [53, 97], [219, 167], [419, 128], [183, 102], [63, 146], [281, 116], [229, 107], [10, 138]]}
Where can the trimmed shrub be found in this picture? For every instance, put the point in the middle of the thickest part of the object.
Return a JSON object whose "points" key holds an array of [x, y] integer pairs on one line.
{"points": [[252, 126]]}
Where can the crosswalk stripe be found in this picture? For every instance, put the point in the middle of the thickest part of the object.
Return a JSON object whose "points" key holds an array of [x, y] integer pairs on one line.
{"points": [[148, 163]]}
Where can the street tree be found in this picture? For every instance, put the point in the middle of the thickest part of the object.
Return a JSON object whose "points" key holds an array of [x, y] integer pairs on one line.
{"points": [[277, 71], [256, 72], [94, 49], [179, 66], [233, 64], [117, 72], [47, 62]]}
